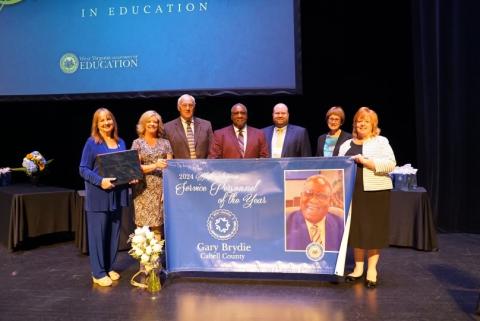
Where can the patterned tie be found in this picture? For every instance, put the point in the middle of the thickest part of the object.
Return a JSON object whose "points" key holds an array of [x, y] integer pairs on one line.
{"points": [[241, 143], [190, 139], [316, 237]]}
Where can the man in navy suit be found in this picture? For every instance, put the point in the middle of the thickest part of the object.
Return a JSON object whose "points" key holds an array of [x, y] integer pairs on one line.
{"points": [[284, 139], [312, 223], [239, 140], [177, 131]]}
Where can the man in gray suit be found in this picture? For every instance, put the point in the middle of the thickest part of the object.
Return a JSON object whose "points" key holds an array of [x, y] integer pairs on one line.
{"points": [[284, 139], [189, 136]]}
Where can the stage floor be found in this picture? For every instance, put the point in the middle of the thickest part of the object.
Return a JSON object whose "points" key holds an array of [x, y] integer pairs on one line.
{"points": [[52, 282]]}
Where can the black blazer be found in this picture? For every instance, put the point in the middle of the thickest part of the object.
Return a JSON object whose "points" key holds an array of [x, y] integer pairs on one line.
{"points": [[344, 136]]}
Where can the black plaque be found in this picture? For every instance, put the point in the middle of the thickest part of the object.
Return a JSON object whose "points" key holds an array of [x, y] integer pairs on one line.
{"points": [[124, 166]]}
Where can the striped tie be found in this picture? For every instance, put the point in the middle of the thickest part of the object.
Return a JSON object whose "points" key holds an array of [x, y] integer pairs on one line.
{"points": [[316, 237], [191, 141], [241, 143]]}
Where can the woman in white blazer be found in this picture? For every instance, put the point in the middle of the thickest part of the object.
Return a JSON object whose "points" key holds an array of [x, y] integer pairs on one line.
{"points": [[371, 197]]}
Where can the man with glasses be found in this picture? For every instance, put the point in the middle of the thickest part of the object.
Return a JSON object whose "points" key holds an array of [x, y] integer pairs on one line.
{"points": [[313, 223]]}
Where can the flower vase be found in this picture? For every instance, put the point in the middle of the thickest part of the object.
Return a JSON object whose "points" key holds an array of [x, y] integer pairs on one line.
{"points": [[5, 179], [153, 281]]}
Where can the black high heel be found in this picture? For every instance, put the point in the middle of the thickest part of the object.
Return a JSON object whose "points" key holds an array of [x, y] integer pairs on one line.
{"points": [[352, 279], [370, 284]]}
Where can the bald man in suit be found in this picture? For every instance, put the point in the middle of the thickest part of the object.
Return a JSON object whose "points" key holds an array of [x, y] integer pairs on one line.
{"points": [[238, 140], [284, 139], [177, 131]]}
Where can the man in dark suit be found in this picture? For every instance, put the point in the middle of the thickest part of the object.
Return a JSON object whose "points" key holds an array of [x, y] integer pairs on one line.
{"points": [[284, 139], [189, 136], [313, 223], [239, 140]]}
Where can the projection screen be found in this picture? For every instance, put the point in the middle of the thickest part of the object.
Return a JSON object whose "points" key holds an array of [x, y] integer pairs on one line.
{"points": [[138, 48]]}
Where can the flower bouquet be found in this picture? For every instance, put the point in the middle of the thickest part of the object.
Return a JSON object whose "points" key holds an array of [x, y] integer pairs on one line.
{"points": [[34, 164], [147, 249]]}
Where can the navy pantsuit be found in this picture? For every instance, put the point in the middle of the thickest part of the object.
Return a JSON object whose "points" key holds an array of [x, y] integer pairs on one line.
{"points": [[103, 230], [103, 209]]}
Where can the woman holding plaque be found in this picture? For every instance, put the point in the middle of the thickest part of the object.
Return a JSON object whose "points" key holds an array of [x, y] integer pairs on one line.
{"points": [[369, 228], [154, 150], [103, 200]]}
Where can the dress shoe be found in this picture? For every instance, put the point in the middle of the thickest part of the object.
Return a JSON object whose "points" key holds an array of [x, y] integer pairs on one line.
{"points": [[114, 276], [370, 284], [105, 281], [352, 279]]}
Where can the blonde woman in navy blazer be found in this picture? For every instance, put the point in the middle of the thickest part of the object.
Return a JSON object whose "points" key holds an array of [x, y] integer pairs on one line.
{"points": [[371, 197]]}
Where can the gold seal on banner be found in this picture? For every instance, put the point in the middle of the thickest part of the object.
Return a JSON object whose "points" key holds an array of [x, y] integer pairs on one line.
{"points": [[315, 251]]}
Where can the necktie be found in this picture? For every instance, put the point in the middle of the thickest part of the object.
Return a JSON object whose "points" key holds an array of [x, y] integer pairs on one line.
{"points": [[277, 149], [241, 142], [316, 237], [191, 140], [279, 143]]}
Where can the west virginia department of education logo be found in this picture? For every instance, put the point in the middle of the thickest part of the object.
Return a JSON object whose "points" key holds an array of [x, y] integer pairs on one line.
{"points": [[315, 251], [69, 63], [222, 224]]}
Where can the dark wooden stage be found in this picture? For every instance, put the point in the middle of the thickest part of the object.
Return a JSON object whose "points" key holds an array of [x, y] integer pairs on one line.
{"points": [[51, 282]]}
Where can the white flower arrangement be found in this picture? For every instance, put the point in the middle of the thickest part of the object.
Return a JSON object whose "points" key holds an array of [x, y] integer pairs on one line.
{"points": [[4, 170], [5, 176], [146, 247]]}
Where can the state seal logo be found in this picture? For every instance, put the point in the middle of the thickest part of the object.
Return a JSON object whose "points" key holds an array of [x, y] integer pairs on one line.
{"points": [[315, 251], [222, 224], [69, 63]]}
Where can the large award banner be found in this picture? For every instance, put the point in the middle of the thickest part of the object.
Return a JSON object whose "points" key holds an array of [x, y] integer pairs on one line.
{"points": [[288, 215]]}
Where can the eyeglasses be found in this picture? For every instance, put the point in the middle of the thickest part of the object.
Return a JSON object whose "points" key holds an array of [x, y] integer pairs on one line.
{"points": [[320, 195]]}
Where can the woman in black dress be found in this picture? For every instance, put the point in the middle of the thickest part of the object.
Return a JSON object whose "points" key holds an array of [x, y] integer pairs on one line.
{"points": [[371, 197]]}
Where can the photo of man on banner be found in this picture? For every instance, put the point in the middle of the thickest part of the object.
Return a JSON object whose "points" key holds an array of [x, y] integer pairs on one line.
{"points": [[314, 210]]}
